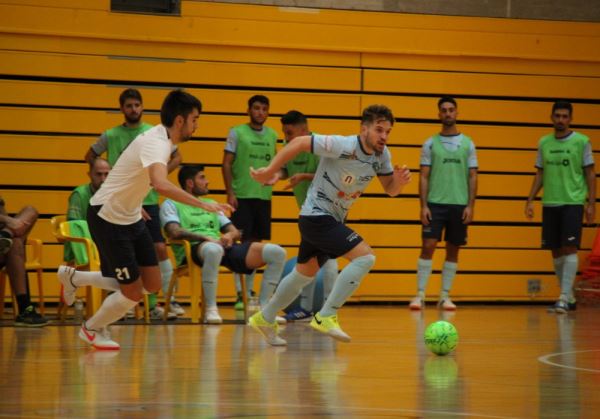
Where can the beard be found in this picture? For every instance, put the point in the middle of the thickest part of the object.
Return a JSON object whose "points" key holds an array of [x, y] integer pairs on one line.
{"points": [[134, 119], [257, 122]]}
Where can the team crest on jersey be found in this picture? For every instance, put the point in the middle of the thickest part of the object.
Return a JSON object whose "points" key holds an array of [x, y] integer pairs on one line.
{"points": [[376, 166]]}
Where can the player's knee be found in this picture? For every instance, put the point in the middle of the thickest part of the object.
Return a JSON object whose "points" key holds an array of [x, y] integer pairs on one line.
{"points": [[273, 253], [366, 262], [211, 253]]}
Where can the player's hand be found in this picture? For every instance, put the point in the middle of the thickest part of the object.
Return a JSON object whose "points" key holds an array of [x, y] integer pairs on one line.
{"points": [[293, 181], [529, 210], [226, 241], [425, 216], [232, 200], [145, 215], [402, 174], [467, 216], [217, 207], [276, 178], [263, 176], [590, 213]]}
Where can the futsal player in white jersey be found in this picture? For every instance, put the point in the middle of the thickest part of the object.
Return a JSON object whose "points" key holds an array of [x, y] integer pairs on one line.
{"points": [[346, 167], [127, 257]]}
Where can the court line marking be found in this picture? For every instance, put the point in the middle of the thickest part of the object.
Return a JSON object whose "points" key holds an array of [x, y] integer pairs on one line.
{"points": [[267, 405], [545, 360]]}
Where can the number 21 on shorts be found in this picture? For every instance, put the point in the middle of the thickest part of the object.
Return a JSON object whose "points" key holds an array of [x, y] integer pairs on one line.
{"points": [[122, 273]]}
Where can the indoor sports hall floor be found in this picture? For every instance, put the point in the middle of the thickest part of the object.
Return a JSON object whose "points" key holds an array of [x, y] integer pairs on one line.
{"points": [[511, 362]]}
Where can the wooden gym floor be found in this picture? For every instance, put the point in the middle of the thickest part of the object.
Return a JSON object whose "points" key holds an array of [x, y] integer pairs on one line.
{"points": [[511, 362]]}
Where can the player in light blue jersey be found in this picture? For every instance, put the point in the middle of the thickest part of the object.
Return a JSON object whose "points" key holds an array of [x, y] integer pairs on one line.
{"points": [[346, 167]]}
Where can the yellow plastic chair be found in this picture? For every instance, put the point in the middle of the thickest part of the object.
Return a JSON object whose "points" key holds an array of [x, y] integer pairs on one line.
{"points": [[33, 263], [60, 229], [194, 273]]}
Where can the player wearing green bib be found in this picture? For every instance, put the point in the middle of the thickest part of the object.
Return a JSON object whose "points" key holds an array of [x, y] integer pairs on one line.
{"points": [[565, 170], [249, 145], [213, 238], [79, 200], [299, 172], [447, 190], [113, 142]]}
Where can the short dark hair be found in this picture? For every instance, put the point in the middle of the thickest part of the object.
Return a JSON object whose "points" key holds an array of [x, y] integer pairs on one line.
{"points": [[129, 94], [447, 99], [258, 98], [293, 118], [374, 113], [178, 102], [563, 104], [188, 172]]}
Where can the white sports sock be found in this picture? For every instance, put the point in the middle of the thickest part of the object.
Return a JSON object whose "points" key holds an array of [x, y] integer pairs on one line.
{"points": [[330, 273], [423, 274], [346, 283], [238, 283], [559, 263], [166, 271], [274, 256], [448, 274], [211, 255], [568, 278], [250, 283], [112, 309], [286, 292], [95, 279], [307, 296]]}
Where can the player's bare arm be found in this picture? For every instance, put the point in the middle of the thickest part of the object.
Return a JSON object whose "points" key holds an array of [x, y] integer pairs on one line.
{"points": [[176, 232], [423, 192], [590, 209], [536, 186], [394, 183], [226, 169], [469, 210], [162, 185], [265, 175]]}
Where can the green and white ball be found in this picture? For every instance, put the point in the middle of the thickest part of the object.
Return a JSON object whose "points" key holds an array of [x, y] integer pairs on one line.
{"points": [[441, 337]]}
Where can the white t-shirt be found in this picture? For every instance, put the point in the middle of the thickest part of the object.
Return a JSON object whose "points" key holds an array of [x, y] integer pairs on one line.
{"points": [[128, 183]]}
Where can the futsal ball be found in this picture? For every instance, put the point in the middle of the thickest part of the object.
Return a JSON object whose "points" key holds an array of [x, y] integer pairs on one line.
{"points": [[441, 337]]}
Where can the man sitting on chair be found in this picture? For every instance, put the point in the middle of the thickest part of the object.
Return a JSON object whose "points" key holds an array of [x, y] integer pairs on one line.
{"points": [[13, 238], [214, 243]]}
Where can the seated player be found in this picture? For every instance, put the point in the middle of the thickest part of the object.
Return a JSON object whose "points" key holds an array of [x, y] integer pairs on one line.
{"points": [[214, 243], [13, 238]]}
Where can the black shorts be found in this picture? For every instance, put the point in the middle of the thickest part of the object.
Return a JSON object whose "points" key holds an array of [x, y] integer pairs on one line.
{"points": [[153, 223], [325, 238], [253, 218], [446, 217], [123, 248], [234, 257], [561, 226]]}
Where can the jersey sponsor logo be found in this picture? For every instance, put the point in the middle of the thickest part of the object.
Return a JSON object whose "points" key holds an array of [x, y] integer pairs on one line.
{"points": [[563, 162], [266, 157], [353, 236], [559, 151], [365, 178], [451, 160], [258, 143]]}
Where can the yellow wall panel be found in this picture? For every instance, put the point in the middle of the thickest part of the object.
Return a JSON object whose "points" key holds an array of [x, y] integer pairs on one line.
{"points": [[179, 71], [423, 82]]}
